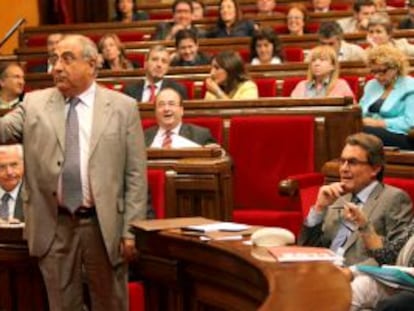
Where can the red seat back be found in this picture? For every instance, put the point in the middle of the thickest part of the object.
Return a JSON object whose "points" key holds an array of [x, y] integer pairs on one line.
{"points": [[156, 184], [289, 85], [266, 86], [189, 86], [353, 82], [266, 149], [293, 54], [130, 36], [403, 183]]}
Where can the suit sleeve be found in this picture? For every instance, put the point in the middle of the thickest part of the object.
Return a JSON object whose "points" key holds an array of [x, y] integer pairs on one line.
{"points": [[135, 172], [11, 125]]}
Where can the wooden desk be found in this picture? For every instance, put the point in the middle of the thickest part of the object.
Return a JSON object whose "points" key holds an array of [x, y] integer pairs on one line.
{"points": [[21, 283], [183, 273], [195, 186]]}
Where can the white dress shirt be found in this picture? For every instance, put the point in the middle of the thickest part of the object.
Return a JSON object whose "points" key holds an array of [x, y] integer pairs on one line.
{"points": [[177, 141], [84, 110], [146, 93]]}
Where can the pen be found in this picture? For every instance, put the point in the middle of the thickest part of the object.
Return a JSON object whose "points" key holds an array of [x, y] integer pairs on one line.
{"points": [[337, 206]]}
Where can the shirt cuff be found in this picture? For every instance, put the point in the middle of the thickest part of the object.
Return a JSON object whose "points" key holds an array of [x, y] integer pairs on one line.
{"points": [[314, 217]]}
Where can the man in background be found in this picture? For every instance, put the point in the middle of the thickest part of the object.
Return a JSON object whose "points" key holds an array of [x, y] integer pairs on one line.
{"points": [[156, 67], [11, 174], [11, 85], [51, 43], [170, 131], [363, 10]]}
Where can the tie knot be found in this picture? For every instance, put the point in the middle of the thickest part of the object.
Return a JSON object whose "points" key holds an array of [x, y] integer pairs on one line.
{"points": [[6, 197], [74, 101], [355, 199]]}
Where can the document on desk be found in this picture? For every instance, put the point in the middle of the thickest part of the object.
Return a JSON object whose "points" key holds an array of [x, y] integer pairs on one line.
{"points": [[303, 254], [219, 226]]}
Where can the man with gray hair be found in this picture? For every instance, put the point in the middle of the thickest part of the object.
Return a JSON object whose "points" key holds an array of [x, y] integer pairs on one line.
{"points": [[11, 174], [85, 180]]}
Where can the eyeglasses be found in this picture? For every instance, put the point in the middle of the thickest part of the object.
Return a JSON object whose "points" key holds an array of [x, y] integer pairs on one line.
{"points": [[295, 17], [382, 71], [67, 58], [352, 161]]}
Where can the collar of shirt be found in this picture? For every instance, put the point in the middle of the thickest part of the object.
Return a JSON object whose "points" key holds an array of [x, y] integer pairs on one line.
{"points": [[364, 194], [14, 193], [88, 97], [175, 130], [10, 104], [312, 84], [157, 84]]}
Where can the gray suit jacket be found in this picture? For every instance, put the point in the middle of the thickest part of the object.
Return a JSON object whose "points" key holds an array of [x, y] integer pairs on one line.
{"points": [[197, 134], [389, 209], [117, 164]]}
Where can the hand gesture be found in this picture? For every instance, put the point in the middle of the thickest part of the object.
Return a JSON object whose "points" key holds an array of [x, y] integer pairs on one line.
{"points": [[353, 213], [328, 194]]}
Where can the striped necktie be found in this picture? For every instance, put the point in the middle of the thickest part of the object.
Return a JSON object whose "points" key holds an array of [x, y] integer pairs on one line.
{"points": [[167, 142]]}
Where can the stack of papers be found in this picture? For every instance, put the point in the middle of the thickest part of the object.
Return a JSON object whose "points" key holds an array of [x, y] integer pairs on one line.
{"points": [[392, 276], [219, 231], [218, 226], [303, 254]]}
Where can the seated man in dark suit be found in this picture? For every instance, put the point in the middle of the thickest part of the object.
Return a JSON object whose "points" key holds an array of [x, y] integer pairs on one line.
{"points": [[388, 209], [52, 40], [11, 173], [156, 67], [170, 132]]}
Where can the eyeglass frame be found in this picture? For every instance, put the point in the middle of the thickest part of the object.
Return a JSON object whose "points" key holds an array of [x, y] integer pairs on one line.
{"points": [[352, 162]]}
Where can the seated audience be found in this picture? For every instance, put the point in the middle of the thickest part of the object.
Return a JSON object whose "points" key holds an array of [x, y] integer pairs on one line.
{"points": [[323, 76], [11, 85], [380, 28], [230, 22], [363, 10], [408, 21], [199, 9], [182, 19], [366, 291], [296, 19], [229, 78], [389, 209], [186, 44], [265, 47], [126, 12], [113, 54], [267, 8], [170, 131], [11, 177], [321, 6], [387, 102], [156, 67], [52, 40], [330, 33]]}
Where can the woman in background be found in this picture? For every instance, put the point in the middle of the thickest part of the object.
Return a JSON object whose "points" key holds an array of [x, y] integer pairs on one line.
{"points": [[388, 100], [126, 11], [265, 48], [230, 22], [323, 76], [380, 28], [113, 53], [229, 79]]}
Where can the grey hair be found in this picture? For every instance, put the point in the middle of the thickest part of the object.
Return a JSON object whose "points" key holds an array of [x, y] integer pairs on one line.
{"points": [[8, 148]]}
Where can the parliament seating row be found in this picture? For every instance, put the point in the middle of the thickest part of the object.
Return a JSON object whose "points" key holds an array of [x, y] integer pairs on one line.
{"points": [[36, 36]]}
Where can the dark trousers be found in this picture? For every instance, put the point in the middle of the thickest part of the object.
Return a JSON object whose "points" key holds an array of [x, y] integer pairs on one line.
{"points": [[402, 301], [390, 139]]}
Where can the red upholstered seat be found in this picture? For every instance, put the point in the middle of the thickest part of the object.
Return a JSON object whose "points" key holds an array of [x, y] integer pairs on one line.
{"points": [[312, 27], [138, 58], [37, 41], [266, 86], [245, 55], [214, 124], [289, 85], [136, 296], [156, 184], [396, 3], [280, 29], [265, 150], [403, 183], [293, 54], [130, 36], [189, 86], [353, 82]]}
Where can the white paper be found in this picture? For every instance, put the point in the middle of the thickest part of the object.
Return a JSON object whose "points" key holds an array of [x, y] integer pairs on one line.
{"points": [[219, 226]]}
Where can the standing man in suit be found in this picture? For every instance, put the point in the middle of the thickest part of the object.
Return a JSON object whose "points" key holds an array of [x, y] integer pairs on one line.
{"points": [[156, 67], [11, 174], [85, 179], [388, 209], [170, 132]]}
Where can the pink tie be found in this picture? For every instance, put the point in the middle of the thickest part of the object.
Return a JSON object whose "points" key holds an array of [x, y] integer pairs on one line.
{"points": [[166, 143], [152, 88]]}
